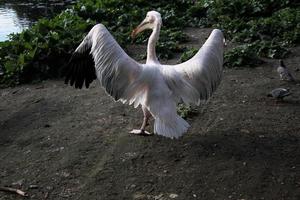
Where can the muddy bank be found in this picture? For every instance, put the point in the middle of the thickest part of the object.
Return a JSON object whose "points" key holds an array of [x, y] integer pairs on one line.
{"points": [[74, 144]]}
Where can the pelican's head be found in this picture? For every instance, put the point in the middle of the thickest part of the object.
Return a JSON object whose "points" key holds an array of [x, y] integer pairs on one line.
{"points": [[152, 20]]}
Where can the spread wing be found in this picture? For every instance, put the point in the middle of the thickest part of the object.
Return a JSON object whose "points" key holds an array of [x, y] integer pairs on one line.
{"points": [[203, 72], [99, 55], [80, 69]]}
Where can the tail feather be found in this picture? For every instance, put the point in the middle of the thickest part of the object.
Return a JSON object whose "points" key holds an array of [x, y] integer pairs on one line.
{"points": [[172, 127]]}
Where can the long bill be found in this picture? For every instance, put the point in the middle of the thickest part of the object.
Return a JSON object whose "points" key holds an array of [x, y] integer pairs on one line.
{"points": [[139, 28]]}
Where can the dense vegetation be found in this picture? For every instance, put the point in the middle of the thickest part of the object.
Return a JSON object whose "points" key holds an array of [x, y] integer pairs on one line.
{"points": [[260, 28]]}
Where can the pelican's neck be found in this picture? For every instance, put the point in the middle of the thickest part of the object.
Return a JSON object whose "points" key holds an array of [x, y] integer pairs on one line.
{"points": [[151, 53]]}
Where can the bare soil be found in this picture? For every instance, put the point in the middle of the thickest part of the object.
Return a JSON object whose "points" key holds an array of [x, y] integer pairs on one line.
{"points": [[57, 142]]}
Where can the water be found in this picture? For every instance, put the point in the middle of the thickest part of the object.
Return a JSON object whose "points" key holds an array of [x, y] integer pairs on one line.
{"points": [[10, 23], [18, 15]]}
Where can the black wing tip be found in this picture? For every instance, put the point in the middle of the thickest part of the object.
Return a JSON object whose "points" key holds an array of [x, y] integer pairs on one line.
{"points": [[80, 70]]}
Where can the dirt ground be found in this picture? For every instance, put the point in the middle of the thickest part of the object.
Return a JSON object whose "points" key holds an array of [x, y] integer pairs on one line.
{"points": [[57, 142]]}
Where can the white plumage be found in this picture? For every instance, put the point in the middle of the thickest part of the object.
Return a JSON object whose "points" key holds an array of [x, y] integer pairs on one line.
{"points": [[157, 88]]}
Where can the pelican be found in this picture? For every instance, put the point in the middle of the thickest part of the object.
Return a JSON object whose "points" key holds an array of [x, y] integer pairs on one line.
{"points": [[156, 87]]}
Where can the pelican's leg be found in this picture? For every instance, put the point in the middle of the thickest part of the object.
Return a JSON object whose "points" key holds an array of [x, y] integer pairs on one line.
{"points": [[142, 131], [147, 116]]}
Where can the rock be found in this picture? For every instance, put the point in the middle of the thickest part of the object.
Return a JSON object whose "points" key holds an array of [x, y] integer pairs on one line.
{"points": [[18, 183], [173, 196], [33, 186], [159, 197], [47, 126]]}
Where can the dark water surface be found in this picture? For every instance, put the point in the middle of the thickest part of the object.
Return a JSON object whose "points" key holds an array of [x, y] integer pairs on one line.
{"points": [[17, 15]]}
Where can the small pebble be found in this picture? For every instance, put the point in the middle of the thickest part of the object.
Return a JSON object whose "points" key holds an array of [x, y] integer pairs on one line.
{"points": [[33, 186], [159, 197], [19, 182], [49, 188], [173, 196]]}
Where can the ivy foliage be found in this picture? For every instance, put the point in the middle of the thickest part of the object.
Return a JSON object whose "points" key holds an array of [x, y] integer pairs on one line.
{"points": [[260, 28], [39, 52]]}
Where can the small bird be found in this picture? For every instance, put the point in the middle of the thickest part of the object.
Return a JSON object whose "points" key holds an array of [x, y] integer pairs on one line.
{"points": [[279, 93], [284, 72]]}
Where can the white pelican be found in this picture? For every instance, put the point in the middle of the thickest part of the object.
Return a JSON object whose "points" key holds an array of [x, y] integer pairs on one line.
{"points": [[157, 88]]}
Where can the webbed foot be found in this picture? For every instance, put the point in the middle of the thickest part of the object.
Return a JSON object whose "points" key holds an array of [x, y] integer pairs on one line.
{"points": [[140, 132]]}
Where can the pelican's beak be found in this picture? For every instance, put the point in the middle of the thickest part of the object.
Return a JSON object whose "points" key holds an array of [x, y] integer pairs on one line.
{"points": [[140, 28]]}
